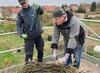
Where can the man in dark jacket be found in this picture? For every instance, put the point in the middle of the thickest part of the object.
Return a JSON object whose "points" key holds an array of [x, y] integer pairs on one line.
{"points": [[29, 28], [73, 35]]}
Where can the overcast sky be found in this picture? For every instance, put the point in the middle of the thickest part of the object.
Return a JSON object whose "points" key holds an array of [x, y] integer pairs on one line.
{"points": [[46, 2]]}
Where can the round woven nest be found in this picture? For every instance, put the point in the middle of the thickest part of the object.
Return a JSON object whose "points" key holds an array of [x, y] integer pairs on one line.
{"points": [[46, 68]]}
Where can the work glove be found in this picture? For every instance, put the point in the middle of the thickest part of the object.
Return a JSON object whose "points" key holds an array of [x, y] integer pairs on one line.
{"points": [[54, 56], [24, 36], [37, 6], [65, 59]]}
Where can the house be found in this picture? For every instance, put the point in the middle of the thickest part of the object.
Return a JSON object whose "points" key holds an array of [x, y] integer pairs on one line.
{"points": [[91, 14], [87, 8], [74, 7], [0, 13], [98, 6], [14, 11], [67, 8], [3, 10], [48, 8]]}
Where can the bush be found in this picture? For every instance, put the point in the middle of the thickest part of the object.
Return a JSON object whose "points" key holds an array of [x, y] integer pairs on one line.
{"points": [[10, 25], [81, 10], [46, 19], [95, 54], [49, 37]]}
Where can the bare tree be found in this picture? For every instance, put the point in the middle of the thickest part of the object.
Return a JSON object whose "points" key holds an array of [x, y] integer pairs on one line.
{"points": [[93, 6], [6, 12], [98, 6]]}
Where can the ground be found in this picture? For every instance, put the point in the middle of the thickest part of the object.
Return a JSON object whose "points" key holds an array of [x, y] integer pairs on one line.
{"points": [[86, 67]]}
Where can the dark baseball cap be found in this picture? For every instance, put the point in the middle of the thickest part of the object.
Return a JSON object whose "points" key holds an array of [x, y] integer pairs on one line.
{"points": [[58, 12], [22, 1]]}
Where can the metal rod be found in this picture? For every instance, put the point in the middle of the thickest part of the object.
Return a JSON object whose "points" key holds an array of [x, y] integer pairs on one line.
{"points": [[45, 28], [95, 39], [88, 20]]}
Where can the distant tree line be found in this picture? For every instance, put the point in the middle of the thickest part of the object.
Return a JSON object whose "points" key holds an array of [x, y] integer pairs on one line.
{"points": [[82, 9], [93, 6]]}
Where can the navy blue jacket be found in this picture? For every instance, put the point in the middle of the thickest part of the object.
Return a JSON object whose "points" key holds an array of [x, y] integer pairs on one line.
{"points": [[24, 22]]}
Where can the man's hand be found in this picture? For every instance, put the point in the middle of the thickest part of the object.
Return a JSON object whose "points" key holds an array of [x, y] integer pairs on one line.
{"points": [[65, 59], [54, 55], [37, 6], [24, 36]]}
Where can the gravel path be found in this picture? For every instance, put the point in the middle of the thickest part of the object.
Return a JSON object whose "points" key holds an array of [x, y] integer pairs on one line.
{"points": [[88, 67]]}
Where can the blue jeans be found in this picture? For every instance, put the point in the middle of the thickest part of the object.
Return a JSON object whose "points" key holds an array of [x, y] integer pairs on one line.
{"points": [[77, 56]]}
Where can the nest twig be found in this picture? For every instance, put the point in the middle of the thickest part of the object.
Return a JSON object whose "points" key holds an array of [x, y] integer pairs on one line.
{"points": [[46, 68]]}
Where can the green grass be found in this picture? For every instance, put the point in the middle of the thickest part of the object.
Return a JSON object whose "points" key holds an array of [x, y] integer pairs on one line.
{"points": [[13, 41], [2, 48], [91, 23], [46, 33], [10, 41], [9, 59], [3, 29], [5, 59], [95, 54]]}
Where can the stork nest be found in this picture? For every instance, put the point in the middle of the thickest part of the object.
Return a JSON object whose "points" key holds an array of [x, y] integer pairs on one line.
{"points": [[46, 68]]}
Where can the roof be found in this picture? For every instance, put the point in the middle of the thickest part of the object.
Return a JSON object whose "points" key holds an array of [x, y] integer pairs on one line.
{"points": [[15, 9], [49, 8]]}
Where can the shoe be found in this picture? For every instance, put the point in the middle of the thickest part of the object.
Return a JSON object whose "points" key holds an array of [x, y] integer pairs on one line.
{"points": [[40, 60]]}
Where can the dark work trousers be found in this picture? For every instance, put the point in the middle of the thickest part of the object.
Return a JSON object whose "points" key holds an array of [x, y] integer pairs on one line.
{"points": [[29, 48]]}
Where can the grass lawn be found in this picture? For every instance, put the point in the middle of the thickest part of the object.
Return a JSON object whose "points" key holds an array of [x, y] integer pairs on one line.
{"points": [[2, 29], [91, 23], [10, 41], [10, 59], [14, 41], [95, 54]]}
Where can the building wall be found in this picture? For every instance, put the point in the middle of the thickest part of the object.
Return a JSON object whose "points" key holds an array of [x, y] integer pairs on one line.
{"points": [[80, 15]]}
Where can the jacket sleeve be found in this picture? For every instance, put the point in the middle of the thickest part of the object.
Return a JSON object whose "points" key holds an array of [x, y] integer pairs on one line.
{"points": [[40, 11], [19, 24], [74, 31], [55, 37]]}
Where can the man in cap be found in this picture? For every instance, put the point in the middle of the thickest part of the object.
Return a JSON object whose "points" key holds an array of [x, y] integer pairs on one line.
{"points": [[29, 27], [73, 35]]}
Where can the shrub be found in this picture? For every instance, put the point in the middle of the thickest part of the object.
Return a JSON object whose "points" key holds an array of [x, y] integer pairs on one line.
{"points": [[49, 37], [10, 25], [81, 10], [46, 19]]}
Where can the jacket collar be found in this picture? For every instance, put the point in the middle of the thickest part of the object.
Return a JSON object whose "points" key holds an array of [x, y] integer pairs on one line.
{"points": [[27, 7]]}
